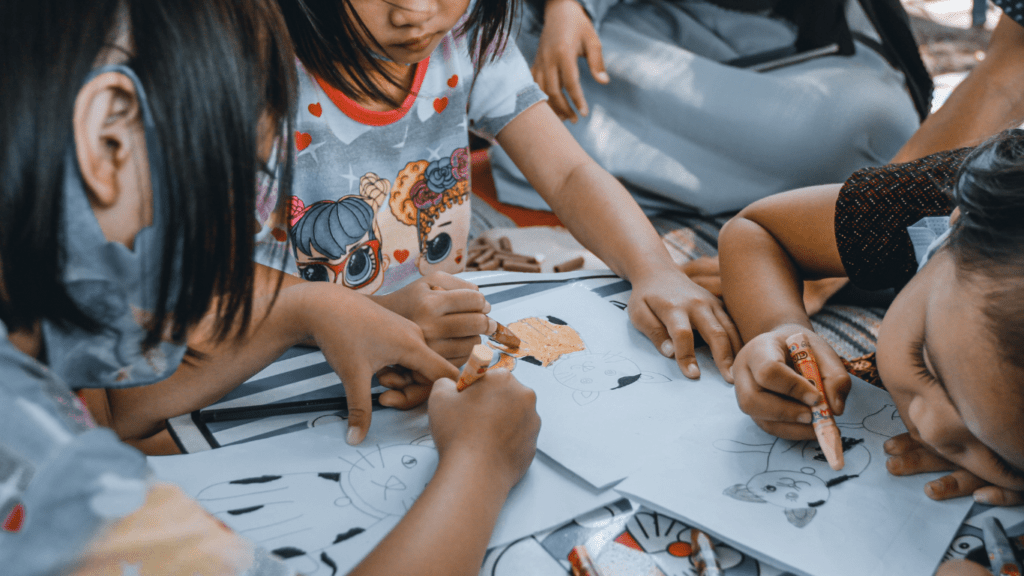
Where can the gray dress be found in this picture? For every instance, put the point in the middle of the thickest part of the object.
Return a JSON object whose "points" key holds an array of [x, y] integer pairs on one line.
{"points": [[682, 130]]}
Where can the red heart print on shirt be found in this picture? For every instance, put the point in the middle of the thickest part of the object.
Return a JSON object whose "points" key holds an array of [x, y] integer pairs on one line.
{"points": [[315, 109], [453, 81], [302, 140], [440, 104], [401, 256]]}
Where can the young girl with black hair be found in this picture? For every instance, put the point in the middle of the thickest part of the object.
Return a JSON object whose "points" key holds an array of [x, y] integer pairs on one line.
{"points": [[950, 345], [388, 90], [130, 140]]}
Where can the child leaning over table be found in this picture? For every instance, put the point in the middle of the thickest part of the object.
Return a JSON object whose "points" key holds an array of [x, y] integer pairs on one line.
{"points": [[949, 347]]}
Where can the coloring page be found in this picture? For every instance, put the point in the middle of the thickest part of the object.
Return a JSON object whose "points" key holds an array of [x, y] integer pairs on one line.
{"points": [[606, 397], [322, 505], [779, 500]]}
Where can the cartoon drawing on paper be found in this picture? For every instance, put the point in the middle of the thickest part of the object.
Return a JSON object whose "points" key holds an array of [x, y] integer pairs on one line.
{"points": [[796, 477], [551, 341], [313, 518]]}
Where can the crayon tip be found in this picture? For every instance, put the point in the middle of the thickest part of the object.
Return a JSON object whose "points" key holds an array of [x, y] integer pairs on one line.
{"points": [[831, 445]]}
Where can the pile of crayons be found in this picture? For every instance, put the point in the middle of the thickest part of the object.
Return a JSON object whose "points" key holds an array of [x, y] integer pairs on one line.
{"points": [[485, 255]]}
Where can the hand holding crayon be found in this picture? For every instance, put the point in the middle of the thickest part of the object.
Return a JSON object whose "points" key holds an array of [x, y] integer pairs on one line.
{"points": [[821, 415]]}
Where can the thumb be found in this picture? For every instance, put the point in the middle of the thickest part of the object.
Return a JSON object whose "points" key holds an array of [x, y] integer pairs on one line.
{"points": [[595, 59]]}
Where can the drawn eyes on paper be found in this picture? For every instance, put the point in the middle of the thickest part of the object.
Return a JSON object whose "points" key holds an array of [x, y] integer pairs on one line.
{"points": [[408, 461], [386, 481]]}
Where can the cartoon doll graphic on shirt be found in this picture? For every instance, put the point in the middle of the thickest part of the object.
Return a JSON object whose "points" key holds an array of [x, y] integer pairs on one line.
{"points": [[339, 241], [433, 197]]}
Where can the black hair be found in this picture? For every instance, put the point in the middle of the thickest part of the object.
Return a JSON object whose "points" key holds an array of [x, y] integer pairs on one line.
{"points": [[212, 71], [987, 240], [329, 35], [330, 227]]}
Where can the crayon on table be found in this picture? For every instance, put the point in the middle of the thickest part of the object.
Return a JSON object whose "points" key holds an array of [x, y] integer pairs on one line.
{"points": [[705, 560], [821, 415], [478, 363], [1000, 551]]}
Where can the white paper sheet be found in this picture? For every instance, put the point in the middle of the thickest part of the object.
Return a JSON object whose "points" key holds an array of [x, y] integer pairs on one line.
{"points": [[607, 399], [779, 500], [327, 503]]}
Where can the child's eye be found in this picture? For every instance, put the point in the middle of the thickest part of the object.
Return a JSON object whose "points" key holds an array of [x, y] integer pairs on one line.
{"points": [[917, 359]]}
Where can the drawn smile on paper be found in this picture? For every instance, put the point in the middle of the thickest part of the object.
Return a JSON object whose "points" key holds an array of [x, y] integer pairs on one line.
{"points": [[551, 341]]}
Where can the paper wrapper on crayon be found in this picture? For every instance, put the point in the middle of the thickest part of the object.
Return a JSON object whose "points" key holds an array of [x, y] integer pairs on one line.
{"points": [[542, 341], [478, 363], [821, 415], [581, 563]]}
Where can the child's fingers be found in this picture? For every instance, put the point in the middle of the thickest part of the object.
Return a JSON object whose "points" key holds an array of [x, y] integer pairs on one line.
{"points": [[455, 326], [764, 405], [958, 483], [570, 74], [998, 496], [459, 301], [712, 284], [455, 349], [449, 282], [900, 444], [776, 376], [834, 377], [703, 266], [961, 568], [595, 58], [917, 460], [670, 332], [720, 334], [787, 430], [407, 397], [360, 404], [418, 357], [551, 84]]}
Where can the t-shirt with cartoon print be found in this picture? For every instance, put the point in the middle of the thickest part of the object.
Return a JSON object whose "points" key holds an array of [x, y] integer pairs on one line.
{"points": [[379, 198]]}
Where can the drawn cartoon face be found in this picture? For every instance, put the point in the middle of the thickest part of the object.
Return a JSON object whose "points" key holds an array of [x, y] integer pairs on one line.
{"points": [[596, 372], [386, 481], [789, 489], [445, 245]]}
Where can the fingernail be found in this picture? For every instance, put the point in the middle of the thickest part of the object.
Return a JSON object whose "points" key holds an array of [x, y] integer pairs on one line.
{"points": [[933, 489], [811, 398], [889, 446], [355, 435], [982, 497], [728, 371], [585, 111], [804, 418], [692, 370], [603, 77], [487, 307], [492, 326], [668, 349]]}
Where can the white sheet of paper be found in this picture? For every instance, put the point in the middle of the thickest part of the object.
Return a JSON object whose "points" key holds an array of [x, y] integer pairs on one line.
{"points": [[771, 497], [311, 494], [607, 407]]}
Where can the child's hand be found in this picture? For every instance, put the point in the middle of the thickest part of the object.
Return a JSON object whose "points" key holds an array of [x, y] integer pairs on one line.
{"points": [[358, 338], [494, 420], [908, 456], [668, 306], [452, 319], [406, 389], [568, 34], [776, 396]]}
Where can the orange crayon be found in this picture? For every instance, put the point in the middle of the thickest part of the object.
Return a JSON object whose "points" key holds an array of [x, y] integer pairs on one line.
{"points": [[505, 336], [703, 554], [821, 415], [581, 563], [478, 363]]}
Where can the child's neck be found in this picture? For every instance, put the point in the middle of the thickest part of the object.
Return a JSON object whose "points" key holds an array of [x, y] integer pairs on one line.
{"points": [[403, 73]]}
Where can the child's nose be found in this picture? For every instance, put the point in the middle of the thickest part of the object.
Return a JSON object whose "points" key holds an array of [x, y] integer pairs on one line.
{"points": [[413, 12]]}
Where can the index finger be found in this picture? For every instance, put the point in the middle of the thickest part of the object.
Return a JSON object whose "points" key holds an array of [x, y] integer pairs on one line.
{"points": [[720, 338], [569, 72], [421, 358], [449, 282], [360, 405]]}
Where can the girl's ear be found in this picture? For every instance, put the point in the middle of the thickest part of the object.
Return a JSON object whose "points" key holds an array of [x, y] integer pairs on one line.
{"points": [[106, 122]]}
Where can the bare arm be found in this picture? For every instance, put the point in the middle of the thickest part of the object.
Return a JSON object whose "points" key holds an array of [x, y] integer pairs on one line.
{"points": [[357, 337], [766, 252], [603, 216], [988, 101]]}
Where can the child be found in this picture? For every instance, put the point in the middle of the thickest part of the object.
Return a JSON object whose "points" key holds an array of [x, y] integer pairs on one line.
{"points": [[110, 258], [949, 346], [387, 91]]}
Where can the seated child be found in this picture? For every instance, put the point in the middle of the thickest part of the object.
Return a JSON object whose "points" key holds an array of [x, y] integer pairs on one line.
{"points": [[110, 257], [387, 92], [949, 345]]}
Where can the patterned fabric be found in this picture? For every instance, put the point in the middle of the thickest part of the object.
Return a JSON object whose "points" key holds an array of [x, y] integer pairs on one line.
{"points": [[380, 198], [876, 205], [1012, 8], [865, 368]]}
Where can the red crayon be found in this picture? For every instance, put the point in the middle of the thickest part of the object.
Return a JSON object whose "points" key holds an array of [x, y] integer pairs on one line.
{"points": [[821, 415]]}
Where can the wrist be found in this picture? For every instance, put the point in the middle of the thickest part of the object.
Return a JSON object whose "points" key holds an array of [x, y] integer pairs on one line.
{"points": [[487, 466]]}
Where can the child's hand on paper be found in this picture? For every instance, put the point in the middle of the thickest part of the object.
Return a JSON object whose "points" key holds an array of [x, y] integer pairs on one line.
{"points": [[359, 338], [667, 306], [775, 395], [567, 35], [494, 422], [450, 311], [907, 457], [961, 568]]}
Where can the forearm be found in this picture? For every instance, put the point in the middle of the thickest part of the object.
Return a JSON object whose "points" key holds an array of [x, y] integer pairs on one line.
{"points": [[221, 366], [761, 285], [610, 223], [448, 527], [988, 101]]}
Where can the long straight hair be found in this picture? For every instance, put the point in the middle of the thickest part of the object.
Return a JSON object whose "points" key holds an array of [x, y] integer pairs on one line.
{"points": [[333, 43], [213, 70]]}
